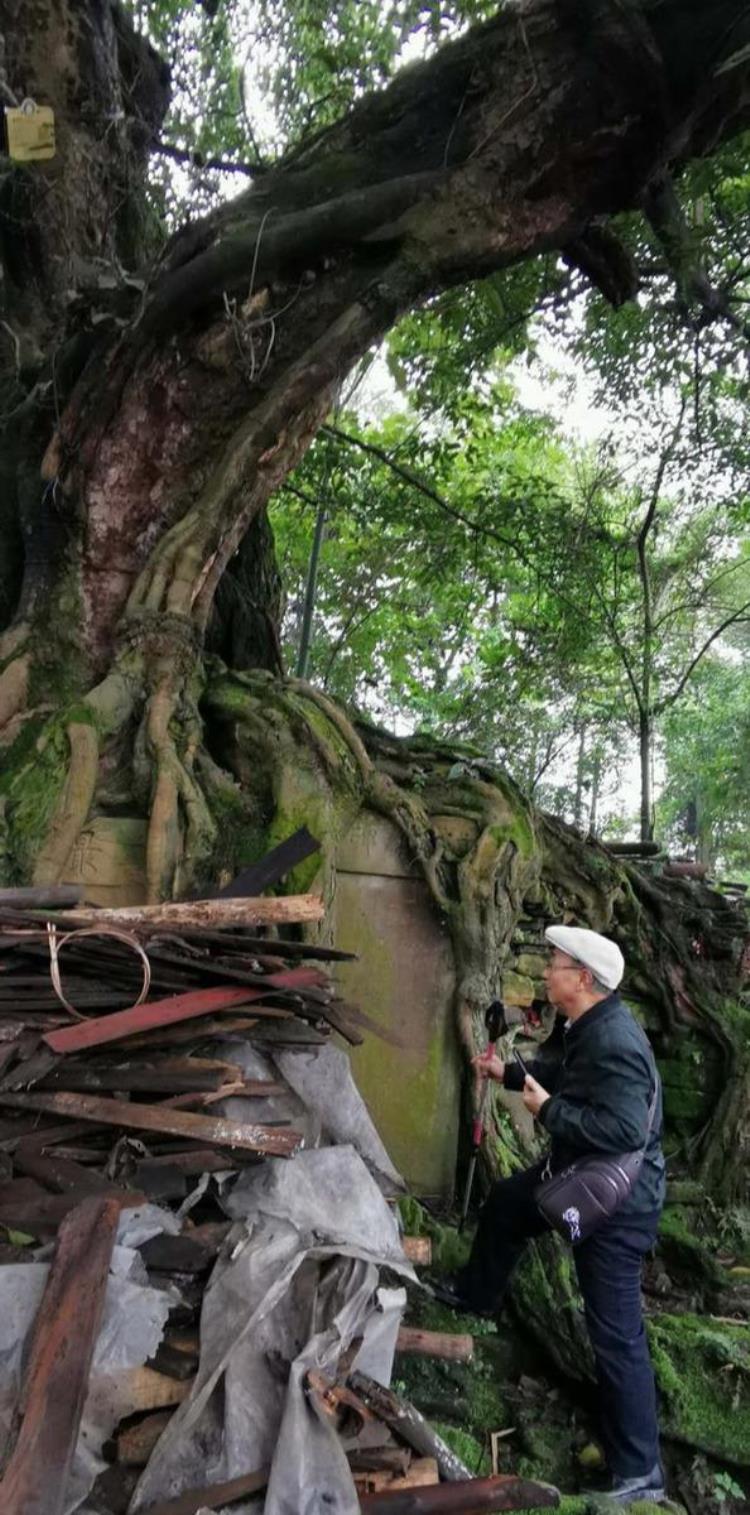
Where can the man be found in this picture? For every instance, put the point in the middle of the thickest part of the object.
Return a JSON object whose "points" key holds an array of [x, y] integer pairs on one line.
{"points": [[596, 1100]]}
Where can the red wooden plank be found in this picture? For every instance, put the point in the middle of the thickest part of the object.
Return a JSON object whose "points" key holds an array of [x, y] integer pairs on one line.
{"points": [[56, 1380], [164, 1012]]}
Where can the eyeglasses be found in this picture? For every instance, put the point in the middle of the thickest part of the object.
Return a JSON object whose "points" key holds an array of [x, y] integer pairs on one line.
{"points": [[568, 967]]}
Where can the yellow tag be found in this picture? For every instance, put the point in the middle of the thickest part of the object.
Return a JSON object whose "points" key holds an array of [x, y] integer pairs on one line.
{"points": [[31, 133]]}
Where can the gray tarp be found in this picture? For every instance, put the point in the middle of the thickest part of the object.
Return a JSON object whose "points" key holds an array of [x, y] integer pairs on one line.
{"points": [[296, 1285]]}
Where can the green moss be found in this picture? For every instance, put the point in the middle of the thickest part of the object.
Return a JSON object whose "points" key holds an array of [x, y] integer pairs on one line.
{"points": [[569, 1505], [34, 774], [470, 1449], [703, 1371], [685, 1254]]}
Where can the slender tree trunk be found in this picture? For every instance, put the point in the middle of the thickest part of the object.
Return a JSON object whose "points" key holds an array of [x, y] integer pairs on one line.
{"points": [[580, 776], [311, 589], [596, 774], [645, 753]]}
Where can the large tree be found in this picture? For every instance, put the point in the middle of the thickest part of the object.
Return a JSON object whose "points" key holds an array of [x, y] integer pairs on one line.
{"points": [[154, 397], [156, 389]]}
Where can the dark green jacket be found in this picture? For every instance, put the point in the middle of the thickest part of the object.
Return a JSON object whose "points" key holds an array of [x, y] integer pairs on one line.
{"points": [[601, 1090]]}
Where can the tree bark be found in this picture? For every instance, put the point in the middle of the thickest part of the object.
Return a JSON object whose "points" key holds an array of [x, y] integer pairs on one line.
{"points": [[645, 756]]}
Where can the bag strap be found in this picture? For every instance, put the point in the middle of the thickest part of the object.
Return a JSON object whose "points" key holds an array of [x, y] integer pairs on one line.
{"points": [[651, 1111]]}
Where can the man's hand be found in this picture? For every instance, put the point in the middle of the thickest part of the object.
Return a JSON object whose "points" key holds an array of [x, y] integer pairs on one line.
{"points": [[489, 1067], [534, 1096]]}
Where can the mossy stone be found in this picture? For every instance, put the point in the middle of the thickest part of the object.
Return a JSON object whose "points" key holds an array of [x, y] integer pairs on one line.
{"points": [[702, 1368]]}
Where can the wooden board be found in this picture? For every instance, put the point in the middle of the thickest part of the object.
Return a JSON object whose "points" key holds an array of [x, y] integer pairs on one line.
{"points": [[269, 1140], [62, 1346], [271, 868]]}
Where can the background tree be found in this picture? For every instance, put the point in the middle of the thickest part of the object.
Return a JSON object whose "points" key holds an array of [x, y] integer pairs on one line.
{"points": [[704, 805]]}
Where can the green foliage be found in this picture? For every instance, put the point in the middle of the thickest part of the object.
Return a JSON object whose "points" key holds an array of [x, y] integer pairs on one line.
{"points": [[483, 580], [727, 1487], [705, 803]]}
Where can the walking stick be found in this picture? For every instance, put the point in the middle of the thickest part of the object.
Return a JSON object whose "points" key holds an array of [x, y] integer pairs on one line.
{"points": [[495, 1022]]}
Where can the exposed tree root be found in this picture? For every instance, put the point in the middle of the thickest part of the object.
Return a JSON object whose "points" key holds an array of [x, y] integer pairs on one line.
{"points": [[74, 806]]}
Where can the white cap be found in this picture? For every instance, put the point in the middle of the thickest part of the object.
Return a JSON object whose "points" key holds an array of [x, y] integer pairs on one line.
{"points": [[596, 952]]}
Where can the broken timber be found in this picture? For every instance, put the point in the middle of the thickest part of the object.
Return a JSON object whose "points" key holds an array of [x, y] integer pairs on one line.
{"points": [[450, 1347], [405, 1420], [288, 910], [270, 1140], [56, 1380], [466, 1498]]}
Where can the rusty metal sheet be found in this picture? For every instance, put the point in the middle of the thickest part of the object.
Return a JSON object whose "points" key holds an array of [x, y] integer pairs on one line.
{"points": [[467, 1498], [56, 1380], [166, 1012], [270, 1140]]}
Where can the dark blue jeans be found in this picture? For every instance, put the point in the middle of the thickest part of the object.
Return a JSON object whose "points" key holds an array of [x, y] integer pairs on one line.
{"points": [[608, 1266]]}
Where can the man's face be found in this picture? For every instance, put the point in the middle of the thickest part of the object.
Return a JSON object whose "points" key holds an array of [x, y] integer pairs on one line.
{"points": [[564, 979]]}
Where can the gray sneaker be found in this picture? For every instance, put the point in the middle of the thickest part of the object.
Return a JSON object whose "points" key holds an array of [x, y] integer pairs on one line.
{"points": [[649, 1486]]}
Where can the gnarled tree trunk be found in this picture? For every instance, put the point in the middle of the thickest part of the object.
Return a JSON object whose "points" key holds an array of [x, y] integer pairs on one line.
{"points": [[147, 424]]}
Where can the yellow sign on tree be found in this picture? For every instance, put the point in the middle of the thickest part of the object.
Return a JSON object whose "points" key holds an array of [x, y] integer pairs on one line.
{"points": [[30, 130]]}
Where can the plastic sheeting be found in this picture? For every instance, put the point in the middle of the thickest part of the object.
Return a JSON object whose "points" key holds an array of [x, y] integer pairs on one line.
{"points": [[296, 1285], [322, 1100], [132, 1327]]}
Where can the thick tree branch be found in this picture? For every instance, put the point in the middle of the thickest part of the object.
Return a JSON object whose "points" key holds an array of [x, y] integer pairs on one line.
{"points": [[198, 160], [738, 617]]}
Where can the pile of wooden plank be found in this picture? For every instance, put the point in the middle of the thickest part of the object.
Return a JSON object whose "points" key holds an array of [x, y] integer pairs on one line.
{"points": [[109, 1079], [75, 1080]]}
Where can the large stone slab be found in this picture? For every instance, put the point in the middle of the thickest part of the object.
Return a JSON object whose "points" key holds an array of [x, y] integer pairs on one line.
{"points": [[404, 979]]}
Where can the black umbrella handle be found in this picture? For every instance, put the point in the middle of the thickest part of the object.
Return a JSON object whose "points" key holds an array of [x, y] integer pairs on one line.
{"points": [[495, 1022]]}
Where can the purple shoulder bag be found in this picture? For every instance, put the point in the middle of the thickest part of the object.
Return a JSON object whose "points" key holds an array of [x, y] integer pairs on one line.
{"points": [[578, 1199]]}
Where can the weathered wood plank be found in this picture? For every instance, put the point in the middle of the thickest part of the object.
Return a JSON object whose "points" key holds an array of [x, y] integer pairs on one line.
{"points": [[67, 1177], [56, 1379], [271, 868], [273, 1141], [470, 1497]]}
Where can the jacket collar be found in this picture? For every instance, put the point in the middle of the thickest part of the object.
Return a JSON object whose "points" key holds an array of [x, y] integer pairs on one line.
{"points": [[599, 1011]]}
